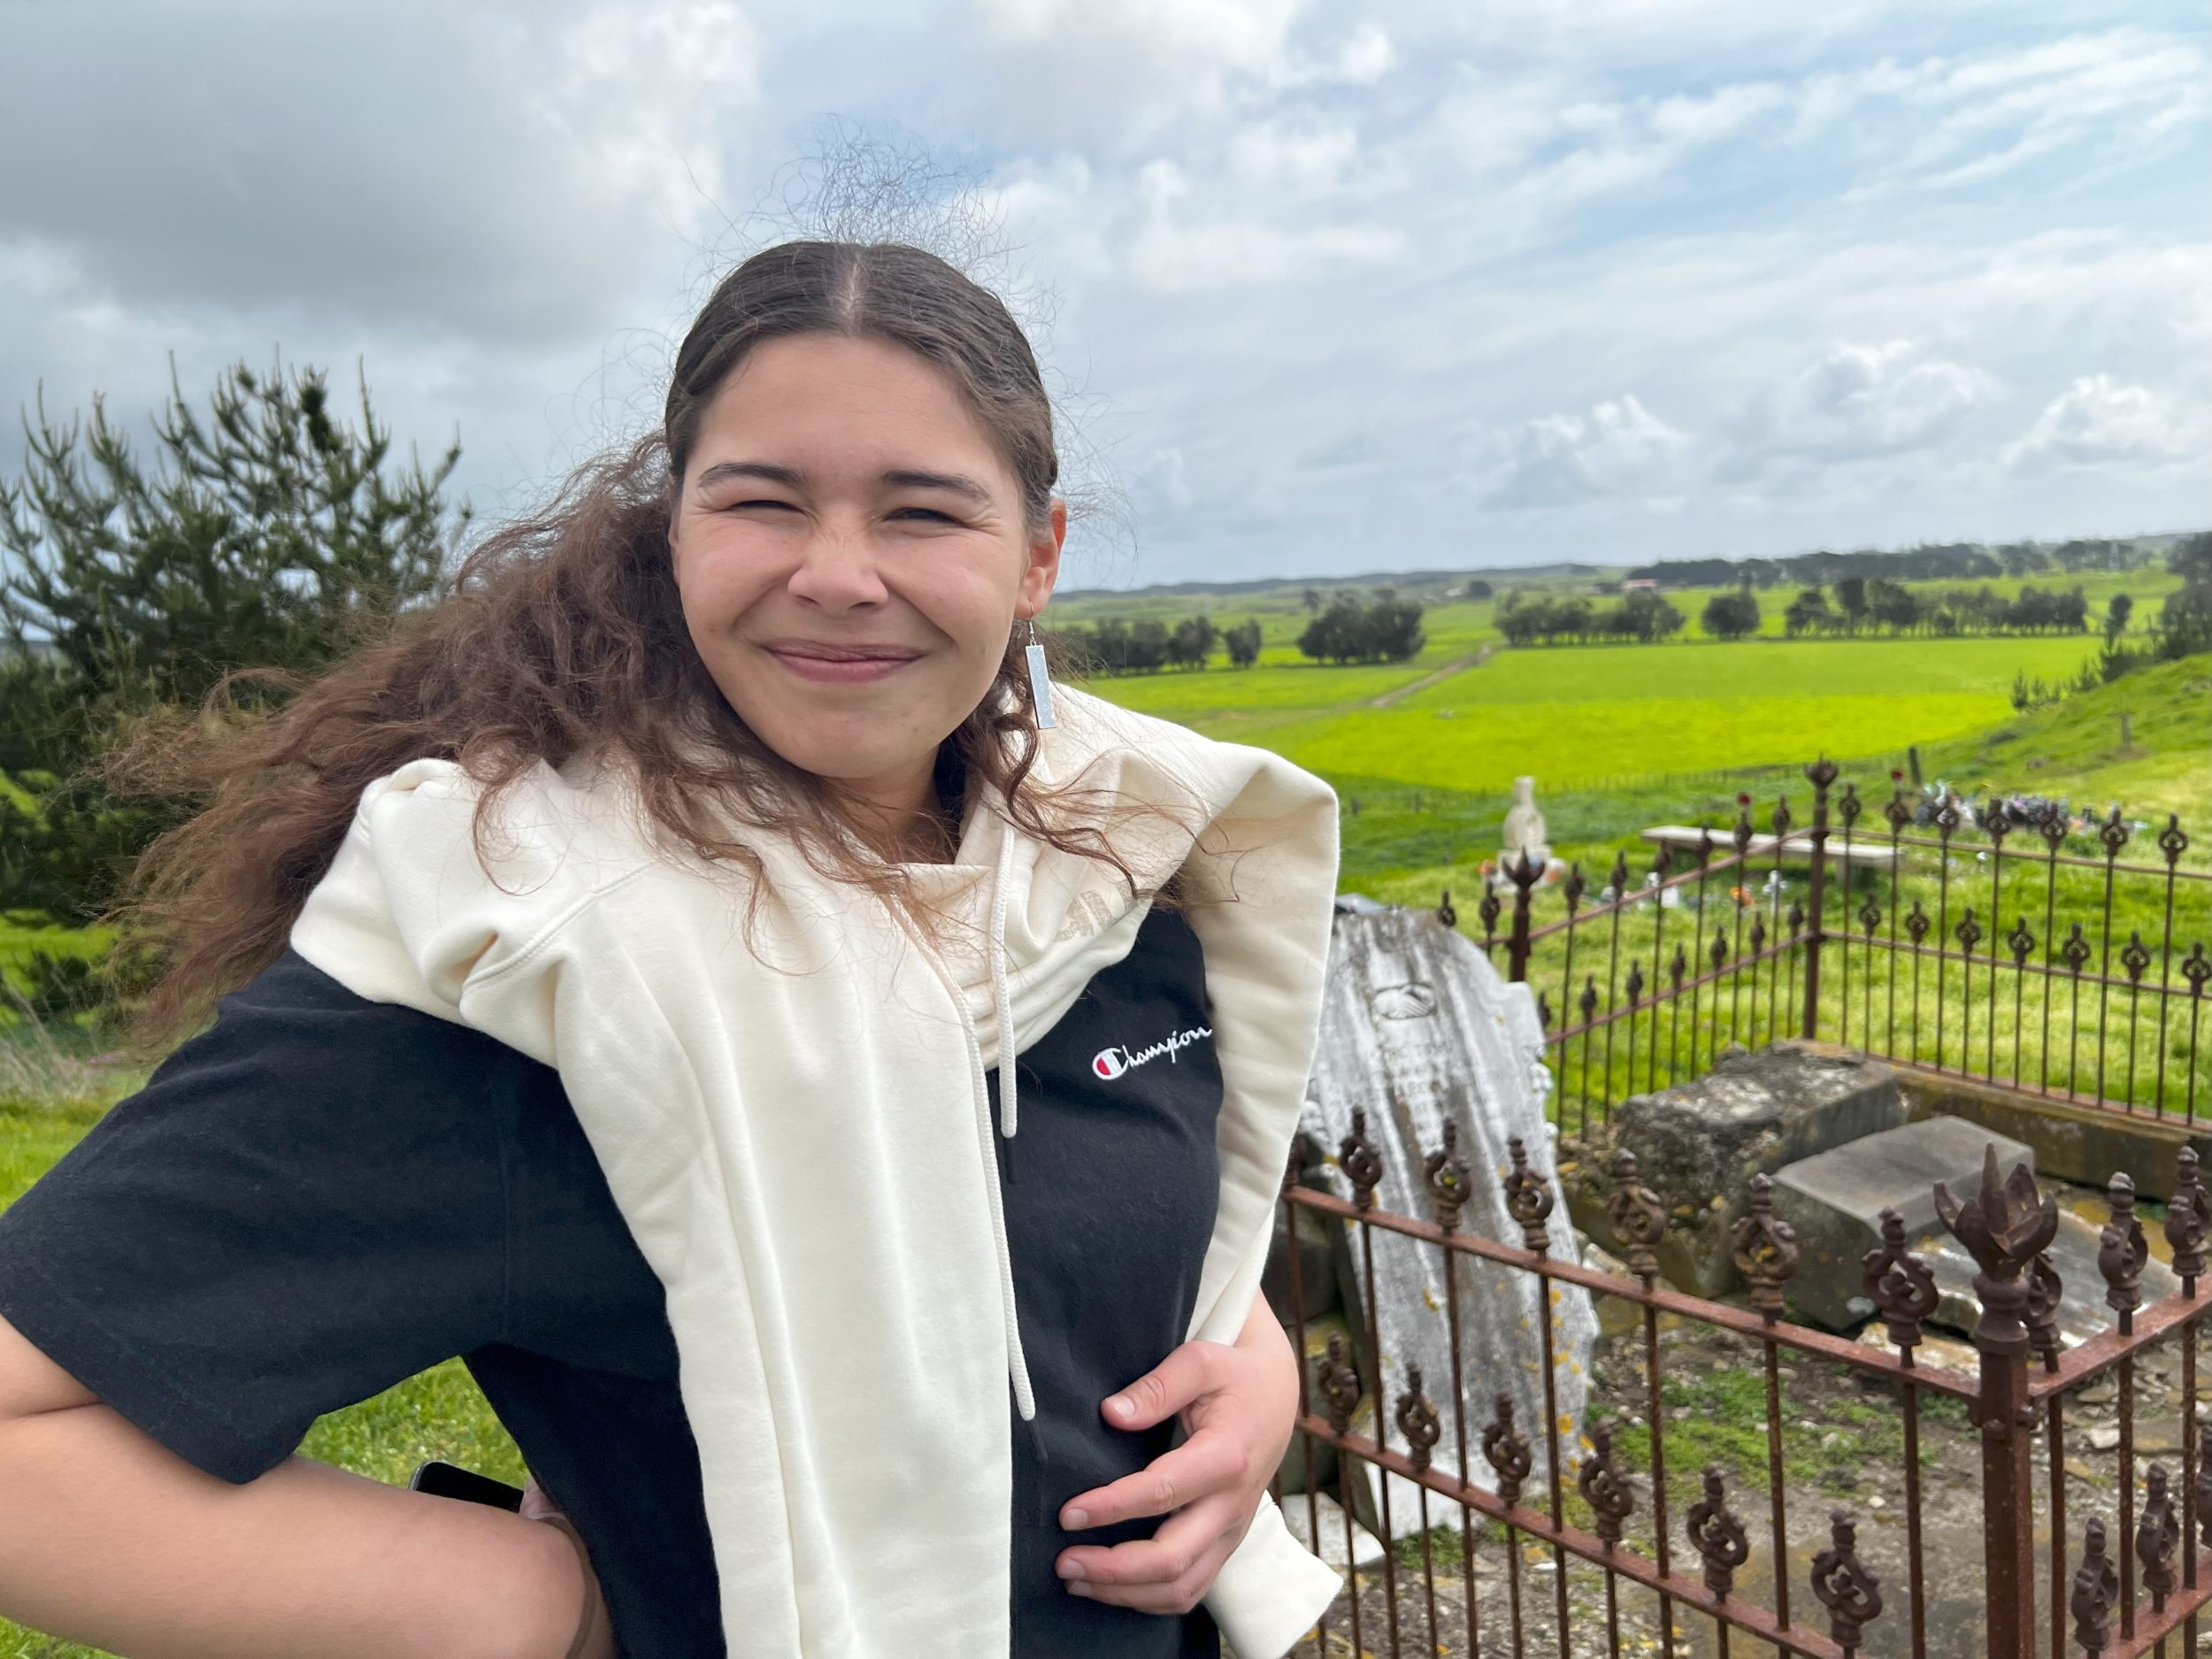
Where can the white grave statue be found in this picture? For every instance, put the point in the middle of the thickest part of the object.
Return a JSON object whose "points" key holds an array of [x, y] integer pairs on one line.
{"points": [[1524, 828]]}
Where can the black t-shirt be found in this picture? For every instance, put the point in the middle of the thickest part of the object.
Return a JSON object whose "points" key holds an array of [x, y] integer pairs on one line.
{"points": [[320, 1196]]}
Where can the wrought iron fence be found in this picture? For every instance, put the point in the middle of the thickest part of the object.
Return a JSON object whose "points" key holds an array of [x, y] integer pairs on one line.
{"points": [[2114, 1560], [2010, 941]]}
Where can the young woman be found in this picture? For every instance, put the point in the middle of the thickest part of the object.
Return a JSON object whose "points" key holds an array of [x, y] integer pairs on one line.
{"points": [[834, 1107]]}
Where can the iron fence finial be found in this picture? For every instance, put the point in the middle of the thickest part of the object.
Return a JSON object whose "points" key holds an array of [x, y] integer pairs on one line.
{"points": [[1604, 1488], [1450, 1182], [2122, 1251], [1417, 1421], [1507, 1451], [1852, 1595], [2096, 1588], [1718, 1536], [1765, 1249], [2157, 1535], [1639, 1219], [1528, 1200], [1900, 1285]]}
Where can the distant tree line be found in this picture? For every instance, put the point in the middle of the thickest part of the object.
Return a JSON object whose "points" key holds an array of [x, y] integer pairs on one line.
{"points": [[1875, 604], [1115, 646], [1385, 629], [1929, 562], [1643, 616]]}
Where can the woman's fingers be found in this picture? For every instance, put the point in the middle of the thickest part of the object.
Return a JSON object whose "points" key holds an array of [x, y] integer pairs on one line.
{"points": [[1168, 1572], [1198, 1468], [1192, 1369]]}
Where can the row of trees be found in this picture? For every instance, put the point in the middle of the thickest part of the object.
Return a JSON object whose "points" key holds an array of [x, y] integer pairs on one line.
{"points": [[1385, 629], [1873, 602], [1114, 647], [1859, 604], [2184, 626], [1929, 562], [1524, 617]]}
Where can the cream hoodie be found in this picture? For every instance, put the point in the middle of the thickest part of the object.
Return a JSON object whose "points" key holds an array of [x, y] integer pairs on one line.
{"points": [[796, 1124]]}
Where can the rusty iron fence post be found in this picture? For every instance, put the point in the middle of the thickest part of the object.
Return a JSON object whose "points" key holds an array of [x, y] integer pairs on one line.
{"points": [[1524, 873], [2004, 1226], [1820, 773]]}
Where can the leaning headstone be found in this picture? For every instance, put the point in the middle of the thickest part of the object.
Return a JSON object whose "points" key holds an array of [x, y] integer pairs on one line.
{"points": [[1418, 1030], [1698, 1145]]}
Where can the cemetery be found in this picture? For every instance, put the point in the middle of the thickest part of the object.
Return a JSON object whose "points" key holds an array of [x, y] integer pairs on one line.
{"points": [[1660, 1269]]}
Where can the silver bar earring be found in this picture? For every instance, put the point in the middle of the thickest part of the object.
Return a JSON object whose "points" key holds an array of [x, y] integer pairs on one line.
{"points": [[1039, 681]]}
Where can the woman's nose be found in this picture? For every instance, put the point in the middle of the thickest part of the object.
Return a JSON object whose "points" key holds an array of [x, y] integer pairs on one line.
{"points": [[837, 569]]}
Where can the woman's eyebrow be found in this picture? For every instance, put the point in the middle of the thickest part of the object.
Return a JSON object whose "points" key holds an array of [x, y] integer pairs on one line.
{"points": [[958, 483], [789, 477]]}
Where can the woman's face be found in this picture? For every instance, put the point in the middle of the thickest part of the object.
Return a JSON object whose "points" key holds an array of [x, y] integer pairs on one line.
{"points": [[851, 554]]}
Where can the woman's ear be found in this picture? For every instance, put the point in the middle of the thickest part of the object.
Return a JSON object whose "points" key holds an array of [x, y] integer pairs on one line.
{"points": [[1043, 572]]}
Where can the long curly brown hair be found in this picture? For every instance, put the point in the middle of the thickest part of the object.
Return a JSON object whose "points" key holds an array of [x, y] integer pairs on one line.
{"points": [[562, 636]]}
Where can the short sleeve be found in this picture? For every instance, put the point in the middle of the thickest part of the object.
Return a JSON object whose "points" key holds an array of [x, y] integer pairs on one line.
{"points": [[306, 1204]]}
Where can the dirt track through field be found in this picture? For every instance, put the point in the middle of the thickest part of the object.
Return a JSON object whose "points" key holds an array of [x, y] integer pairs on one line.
{"points": [[1436, 678]]}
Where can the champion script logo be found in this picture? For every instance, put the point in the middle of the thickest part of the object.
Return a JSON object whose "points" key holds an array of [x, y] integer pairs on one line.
{"points": [[1111, 1062]]}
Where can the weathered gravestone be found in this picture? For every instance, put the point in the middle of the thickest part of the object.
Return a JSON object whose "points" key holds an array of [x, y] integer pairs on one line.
{"points": [[1418, 1030]]}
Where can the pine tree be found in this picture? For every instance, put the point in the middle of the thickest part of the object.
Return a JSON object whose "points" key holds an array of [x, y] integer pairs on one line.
{"points": [[264, 533]]}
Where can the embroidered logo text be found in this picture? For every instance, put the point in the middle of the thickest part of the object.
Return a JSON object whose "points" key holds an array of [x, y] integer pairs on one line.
{"points": [[1111, 1062]]}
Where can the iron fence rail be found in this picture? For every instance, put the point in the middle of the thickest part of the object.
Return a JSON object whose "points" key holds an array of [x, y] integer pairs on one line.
{"points": [[2098, 993], [2133, 1588]]}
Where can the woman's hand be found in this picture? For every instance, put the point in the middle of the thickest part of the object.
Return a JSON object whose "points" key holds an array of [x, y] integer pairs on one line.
{"points": [[1238, 1404]]}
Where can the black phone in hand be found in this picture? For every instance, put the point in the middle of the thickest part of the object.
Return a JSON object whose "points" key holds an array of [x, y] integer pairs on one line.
{"points": [[450, 1480]]}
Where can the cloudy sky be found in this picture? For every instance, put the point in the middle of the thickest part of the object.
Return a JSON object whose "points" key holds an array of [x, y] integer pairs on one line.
{"points": [[1325, 287]]}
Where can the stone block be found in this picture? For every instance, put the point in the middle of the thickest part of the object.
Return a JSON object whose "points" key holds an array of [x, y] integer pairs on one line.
{"points": [[2087, 1145], [1698, 1145], [1835, 1200]]}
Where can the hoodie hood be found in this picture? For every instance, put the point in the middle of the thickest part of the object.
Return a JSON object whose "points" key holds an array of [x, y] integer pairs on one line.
{"points": [[793, 1116]]}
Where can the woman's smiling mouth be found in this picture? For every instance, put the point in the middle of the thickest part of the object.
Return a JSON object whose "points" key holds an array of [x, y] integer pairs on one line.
{"points": [[840, 665]]}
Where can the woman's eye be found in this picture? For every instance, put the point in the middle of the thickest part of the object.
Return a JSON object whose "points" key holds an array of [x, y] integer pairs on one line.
{"points": [[923, 512]]}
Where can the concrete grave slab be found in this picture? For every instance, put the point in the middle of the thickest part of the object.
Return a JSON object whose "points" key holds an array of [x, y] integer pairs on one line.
{"points": [[1835, 1201]]}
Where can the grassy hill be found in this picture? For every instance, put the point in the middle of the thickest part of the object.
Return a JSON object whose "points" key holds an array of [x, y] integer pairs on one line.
{"points": [[1407, 834]]}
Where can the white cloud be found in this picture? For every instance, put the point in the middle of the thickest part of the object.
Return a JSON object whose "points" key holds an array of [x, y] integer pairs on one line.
{"points": [[2102, 422], [1176, 250], [1854, 403], [1950, 123], [1366, 56], [1619, 448], [647, 86], [1338, 292]]}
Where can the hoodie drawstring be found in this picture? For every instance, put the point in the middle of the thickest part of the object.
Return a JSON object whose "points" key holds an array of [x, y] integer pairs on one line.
{"points": [[1017, 1365]]}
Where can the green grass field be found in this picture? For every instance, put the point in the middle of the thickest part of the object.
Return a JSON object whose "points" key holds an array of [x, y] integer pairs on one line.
{"points": [[1405, 845], [1579, 714]]}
